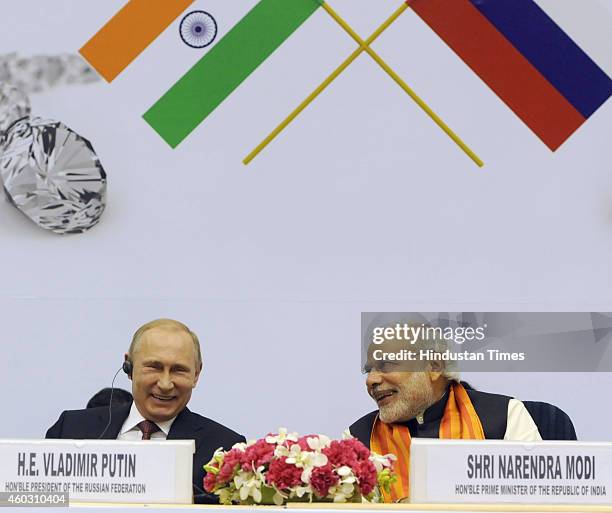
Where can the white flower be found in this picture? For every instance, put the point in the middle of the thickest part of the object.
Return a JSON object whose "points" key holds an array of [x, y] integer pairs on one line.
{"points": [[306, 459], [346, 435], [342, 492], [292, 453], [319, 459], [248, 484], [346, 487], [344, 471], [382, 462], [300, 491], [278, 499], [281, 451], [346, 477], [281, 437], [305, 476], [219, 454], [225, 496], [318, 443]]}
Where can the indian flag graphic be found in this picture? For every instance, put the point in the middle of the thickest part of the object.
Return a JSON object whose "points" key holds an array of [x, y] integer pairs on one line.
{"points": [[522, 49]]}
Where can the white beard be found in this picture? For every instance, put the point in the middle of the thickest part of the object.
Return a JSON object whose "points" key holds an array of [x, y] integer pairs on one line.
{"points": [[412, 398]]}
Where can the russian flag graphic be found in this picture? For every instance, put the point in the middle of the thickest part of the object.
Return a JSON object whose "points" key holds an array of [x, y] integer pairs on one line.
{"points": [[549, 82], [514, 46]]}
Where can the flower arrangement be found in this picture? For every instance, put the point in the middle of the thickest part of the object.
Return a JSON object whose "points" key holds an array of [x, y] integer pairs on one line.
{"points": [[284, 467]]}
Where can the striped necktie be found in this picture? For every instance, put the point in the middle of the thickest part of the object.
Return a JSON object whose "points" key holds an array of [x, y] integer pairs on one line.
{"points": [[148, 428]]}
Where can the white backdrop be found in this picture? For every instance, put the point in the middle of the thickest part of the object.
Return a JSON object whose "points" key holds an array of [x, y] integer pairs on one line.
{"points": [[361, 205]]}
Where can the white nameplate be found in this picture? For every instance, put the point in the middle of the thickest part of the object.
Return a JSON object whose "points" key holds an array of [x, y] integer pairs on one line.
{"points": [[496, 471], [100, 470]]}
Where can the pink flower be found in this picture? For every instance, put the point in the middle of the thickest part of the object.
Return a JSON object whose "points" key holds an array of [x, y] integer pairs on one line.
{"points": [[361, 451], [260, 453], [339, 455], [322, 479], [210, 481], [232, 459], [365, 472], [283, 475], [346, 452]]}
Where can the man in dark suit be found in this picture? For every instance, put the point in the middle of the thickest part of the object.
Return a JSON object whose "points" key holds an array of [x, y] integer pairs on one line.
{"points": [[164, 363]]}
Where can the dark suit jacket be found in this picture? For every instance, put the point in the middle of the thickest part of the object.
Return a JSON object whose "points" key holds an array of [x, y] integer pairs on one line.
{"points": [[553, 423], [208, 434]]}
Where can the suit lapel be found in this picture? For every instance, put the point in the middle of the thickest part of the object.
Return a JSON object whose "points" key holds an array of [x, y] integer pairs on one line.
{"points": [[118, 416], [185, 427]]}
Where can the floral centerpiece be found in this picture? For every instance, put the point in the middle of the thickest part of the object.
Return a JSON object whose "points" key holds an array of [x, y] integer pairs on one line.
{"points": [[285, 467]]}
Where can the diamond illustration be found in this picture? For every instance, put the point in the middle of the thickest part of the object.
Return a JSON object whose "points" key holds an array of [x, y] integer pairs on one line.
{"points": [[53, 175], [14, 105], [42, 72]]}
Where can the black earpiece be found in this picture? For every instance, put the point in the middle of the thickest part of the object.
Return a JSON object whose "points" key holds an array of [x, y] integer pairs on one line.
{"points": [[128, 367]]}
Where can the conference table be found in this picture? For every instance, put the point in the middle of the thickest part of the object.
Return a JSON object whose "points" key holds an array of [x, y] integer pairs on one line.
{"points": [[332, 508], [446, 476]]}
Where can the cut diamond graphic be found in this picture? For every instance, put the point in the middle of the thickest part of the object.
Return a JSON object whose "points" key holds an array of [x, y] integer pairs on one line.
{"points": [[14, 105], [42, 72], [52, 175]]}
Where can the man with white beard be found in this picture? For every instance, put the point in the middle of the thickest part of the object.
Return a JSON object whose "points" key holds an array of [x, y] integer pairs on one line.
{"points": [[427, 400]]}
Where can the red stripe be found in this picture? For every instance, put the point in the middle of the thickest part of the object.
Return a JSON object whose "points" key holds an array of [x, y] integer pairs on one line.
{"points": [[502, 67]]}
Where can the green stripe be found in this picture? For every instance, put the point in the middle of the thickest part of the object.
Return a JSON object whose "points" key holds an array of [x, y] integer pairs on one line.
{"points": [[216, 75]]}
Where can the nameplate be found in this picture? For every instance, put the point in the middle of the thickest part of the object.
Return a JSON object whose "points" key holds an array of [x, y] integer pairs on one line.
{"points": [[496, 471], [100, 470]]}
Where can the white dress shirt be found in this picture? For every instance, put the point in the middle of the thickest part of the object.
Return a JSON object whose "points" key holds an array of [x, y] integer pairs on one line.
{"points": [[129, 430], [520, 426]]}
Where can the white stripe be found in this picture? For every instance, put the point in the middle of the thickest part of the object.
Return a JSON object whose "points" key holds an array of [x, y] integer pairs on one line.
{"points": [[588, 23]]}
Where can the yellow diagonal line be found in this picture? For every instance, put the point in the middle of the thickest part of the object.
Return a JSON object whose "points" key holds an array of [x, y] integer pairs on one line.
{"points": [[323, 85], [365, 46]]}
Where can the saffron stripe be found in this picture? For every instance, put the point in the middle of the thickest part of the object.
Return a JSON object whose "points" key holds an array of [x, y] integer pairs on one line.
{"points": [[445, 429], [471, 431], [502, 67], [216, 75], [394, 439], [378, 444], [128, 33], [545, 45], [384, 438], [469, 412], [462, 400], [456, 421], [400, 470], [403, 458]]}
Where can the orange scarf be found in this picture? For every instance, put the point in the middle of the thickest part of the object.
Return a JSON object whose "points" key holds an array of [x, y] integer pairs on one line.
{"points": [[459, 421]]}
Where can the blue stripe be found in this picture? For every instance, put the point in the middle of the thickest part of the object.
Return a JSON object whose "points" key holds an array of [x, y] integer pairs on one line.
{"points": [[550, 50]]}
